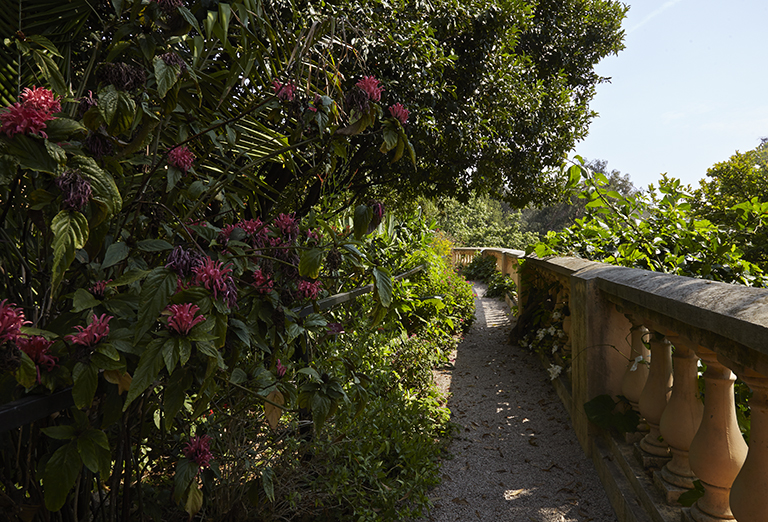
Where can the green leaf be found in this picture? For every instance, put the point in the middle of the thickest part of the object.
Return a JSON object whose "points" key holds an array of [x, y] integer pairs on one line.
{"points": [[60, 475], [186, 471], [128, 277], [70, 233], [309, 264], [93, 447], [194, 501], [267, 482], [165, 76], [238, 376], [85, 378], [363, 216], [26, 373], [31, 153], [102, 183], [117, 108], [690, 497], [116, 252], [62, 129], [83, 300], [154, 245], [155, 295], [66, 432], [174, 394], [382, 280], [51, 72], [150, 364]]}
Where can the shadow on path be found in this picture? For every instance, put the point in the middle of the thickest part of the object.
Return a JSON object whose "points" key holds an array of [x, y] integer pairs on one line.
{"points": [[516, 457]]}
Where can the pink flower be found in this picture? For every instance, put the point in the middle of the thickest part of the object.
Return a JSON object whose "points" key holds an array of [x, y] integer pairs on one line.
{"points": [[11, 320], [182, 318], [92, 334], [280, 369], [28, 116], [262, 282], [371, 86], [40, 99], [181, 158], [399, 113], [310, 290], [198, 450], [287, 225], [284, 91], [37, 348], [214, 276], [21, 119], [99, 288]]}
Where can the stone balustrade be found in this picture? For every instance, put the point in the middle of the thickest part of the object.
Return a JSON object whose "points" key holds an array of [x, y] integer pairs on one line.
{"points": [[616, 315]]}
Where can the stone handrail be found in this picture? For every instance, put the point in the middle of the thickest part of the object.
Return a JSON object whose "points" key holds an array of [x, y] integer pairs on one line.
{"points": [[613, 310]]}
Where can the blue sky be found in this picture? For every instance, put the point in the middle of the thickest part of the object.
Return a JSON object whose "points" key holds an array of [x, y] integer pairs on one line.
{"points": [[688, 91]]}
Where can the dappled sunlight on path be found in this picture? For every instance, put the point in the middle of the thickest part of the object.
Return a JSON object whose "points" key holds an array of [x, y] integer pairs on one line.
{"points": [[516, 456]]}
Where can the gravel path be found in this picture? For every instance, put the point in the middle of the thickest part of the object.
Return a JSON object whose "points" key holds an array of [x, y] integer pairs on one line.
{"points": [[516, 457]]}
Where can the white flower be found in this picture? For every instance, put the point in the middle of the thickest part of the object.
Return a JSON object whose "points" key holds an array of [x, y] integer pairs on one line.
{"points": [[556, 316], [561, 333], [540, 334], [551, 330], [638, 360], [554, 370], [554, 348]]}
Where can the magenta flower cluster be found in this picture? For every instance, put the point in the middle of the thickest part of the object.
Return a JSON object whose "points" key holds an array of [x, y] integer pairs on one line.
{"points": [[284, 91], [372, 87], [11, 321], [198, 450], [262, 282], [310, 290], [399, 112], [92, 334], [183, 317], [182, 158], [99, 288], [29, 116], [217, 278], [280, 369]]}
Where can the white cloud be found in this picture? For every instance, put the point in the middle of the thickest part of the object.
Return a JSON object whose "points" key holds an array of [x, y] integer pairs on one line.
{"points": [[653, 15]]}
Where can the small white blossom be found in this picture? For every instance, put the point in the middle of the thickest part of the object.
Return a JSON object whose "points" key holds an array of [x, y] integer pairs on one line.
{"points": [[551, 330], [540, 334], [554, 348], [638, 360], [561, 333], [554, 371], [556, 316]]}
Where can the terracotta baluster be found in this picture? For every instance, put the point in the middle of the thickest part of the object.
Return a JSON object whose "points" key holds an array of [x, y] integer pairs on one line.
{"points": [[682, 417], [656, 393], [718, 450], [636, 373], [749, 493]]}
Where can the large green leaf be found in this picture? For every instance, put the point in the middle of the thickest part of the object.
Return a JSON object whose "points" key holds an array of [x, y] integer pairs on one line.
{"points": [[60, 474], [150, 364], [382, 280], [103, 184], [70, 233], [309, 264], [165, 76], [85, 379], [93, 447], [156, 292], [32, 154]]}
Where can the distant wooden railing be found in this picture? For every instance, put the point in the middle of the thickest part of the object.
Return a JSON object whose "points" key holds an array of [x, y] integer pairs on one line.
{"points": [[615, 312]]}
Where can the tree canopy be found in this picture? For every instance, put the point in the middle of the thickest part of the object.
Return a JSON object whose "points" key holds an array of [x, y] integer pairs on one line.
{"points": [[498, 91]]}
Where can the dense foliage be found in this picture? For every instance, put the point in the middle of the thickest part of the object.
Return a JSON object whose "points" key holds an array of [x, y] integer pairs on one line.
{"points": [[161, 254], [498, 92], [656, 230], [481, 222]]}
